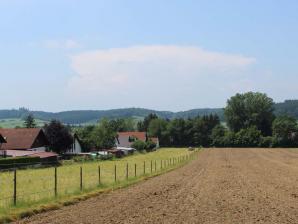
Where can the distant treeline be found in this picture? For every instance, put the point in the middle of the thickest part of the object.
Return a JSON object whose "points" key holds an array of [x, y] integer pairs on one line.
{"points": [[92, 116], [250, 120], [289, 107]]}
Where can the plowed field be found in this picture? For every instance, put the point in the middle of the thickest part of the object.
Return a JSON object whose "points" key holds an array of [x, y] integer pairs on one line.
{"points": [[221, 186]]}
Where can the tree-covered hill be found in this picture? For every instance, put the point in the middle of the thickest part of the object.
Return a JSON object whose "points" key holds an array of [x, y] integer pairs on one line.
{"points": [[89, 116], [289, 107]]}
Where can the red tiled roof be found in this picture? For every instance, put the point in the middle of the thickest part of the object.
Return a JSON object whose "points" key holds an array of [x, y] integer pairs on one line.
{"points": [[137, 134], [19, 138]]}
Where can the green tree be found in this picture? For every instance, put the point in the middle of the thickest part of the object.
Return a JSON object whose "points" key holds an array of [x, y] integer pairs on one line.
{"points": [[248, 137], [29, 121], [139, 145], [84, 134], [122, 124], [176, 131], [103, 136], [285, 130], [158, 128], [202, 129], [143, 125], [250, 109], [59, 136], [218, 135]]}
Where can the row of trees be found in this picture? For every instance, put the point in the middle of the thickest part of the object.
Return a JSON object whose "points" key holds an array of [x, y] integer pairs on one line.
{"points": [[184, 132], [250, 122]]}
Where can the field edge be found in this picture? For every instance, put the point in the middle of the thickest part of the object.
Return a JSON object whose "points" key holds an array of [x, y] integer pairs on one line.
{"points": [[22, 213]]}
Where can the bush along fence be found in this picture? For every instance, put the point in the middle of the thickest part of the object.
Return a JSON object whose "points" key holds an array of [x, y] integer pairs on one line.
{"points": [[25, 187]]}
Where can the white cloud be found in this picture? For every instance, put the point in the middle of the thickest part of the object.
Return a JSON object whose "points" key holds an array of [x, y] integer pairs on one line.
{"points": [[141, 73], [62, 44]]}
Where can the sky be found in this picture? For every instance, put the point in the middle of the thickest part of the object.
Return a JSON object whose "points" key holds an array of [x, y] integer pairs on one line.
{"points": [[175, 55]]}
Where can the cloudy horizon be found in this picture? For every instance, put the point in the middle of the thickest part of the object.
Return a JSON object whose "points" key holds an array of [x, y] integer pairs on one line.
{"points": [[161, 55]]}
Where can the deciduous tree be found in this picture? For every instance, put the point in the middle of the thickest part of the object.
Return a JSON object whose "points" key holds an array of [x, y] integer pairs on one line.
{"points": [[250, 109]]}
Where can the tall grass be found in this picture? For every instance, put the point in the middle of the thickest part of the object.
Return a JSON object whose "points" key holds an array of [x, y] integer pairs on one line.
{"points": [[35, 186]]}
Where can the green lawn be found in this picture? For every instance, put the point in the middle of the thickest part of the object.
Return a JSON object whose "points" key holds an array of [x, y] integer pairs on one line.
{"points": [[35, 186], [16, 122]]}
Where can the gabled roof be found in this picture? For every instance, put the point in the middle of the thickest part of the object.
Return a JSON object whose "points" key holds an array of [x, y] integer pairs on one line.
{"points": [[21, 138], [137, 134], [123, 138]]}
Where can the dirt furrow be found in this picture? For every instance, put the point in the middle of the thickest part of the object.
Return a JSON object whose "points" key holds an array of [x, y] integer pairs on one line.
{"points": [[221, 186]]}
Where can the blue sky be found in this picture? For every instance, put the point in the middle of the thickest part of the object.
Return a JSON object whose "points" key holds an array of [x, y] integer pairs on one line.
{"points": [[160, 54]]}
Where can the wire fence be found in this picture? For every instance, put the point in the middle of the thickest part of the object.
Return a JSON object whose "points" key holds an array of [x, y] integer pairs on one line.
{"points": [[19, 187]]}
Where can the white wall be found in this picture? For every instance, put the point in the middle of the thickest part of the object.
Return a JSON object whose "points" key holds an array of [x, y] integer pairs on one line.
{"points": [[39, 149], [75, 147]]}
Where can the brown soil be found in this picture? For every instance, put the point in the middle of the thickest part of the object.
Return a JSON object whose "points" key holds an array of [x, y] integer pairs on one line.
{"points": [[221, 186]]}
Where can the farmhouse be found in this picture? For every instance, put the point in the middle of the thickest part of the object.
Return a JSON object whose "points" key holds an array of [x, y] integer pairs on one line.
{"points": [[26, 142], [32, 139], [126, 139]]}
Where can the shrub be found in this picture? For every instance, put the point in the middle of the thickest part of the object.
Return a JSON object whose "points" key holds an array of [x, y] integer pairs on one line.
{"points": [[106, 157], [248, 137], [268, 142], [139, 145], [150, 146], [229, 140]]}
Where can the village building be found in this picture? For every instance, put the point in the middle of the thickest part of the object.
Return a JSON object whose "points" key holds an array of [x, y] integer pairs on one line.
{"points": [[23, 142], [126, 139], [32, 139]]}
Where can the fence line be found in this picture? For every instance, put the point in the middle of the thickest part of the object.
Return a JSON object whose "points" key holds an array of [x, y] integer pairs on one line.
{"points": [[98, 177]]}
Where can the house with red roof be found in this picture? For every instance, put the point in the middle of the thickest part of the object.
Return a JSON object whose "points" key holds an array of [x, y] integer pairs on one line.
{"points": [[22, 142], [126, 139], [32, 139]]}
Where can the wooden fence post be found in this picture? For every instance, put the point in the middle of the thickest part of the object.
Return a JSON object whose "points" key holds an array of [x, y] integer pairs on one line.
{"points": [[151, 166], [15, 188], [155, 165], [144, 167], [126, 171], [99, 175], [81, 178], [115, 172], [161, 164], [135, 170], [55, 188]]}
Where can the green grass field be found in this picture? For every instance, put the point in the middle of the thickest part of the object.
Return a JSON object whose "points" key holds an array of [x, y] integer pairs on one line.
{"points": [[16, 122], [37, 186]]}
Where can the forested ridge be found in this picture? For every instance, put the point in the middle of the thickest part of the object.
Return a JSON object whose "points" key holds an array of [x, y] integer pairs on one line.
{"points": [[288, 107], [86, 116]]}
